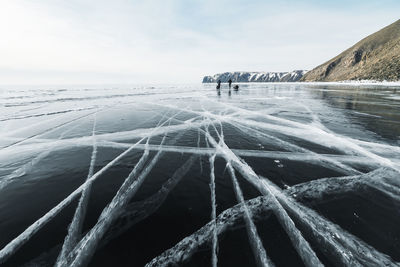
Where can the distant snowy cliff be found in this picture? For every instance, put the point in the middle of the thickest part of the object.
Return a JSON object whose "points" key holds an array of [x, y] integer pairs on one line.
{"points": [[293, 76]]}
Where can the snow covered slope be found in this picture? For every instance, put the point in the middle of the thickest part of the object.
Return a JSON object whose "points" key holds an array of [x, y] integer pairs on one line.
{"points": [[256, 76]]}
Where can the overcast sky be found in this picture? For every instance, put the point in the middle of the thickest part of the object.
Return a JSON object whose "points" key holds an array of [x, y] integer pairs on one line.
{"points": [[176, 41]]}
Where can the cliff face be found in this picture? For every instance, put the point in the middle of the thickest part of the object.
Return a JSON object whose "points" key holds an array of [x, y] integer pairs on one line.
{"points": [[376, 57], [293, 76]]}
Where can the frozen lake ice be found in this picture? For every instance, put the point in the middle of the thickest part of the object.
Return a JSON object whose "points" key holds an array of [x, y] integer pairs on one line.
{"points": [[279, 174]]}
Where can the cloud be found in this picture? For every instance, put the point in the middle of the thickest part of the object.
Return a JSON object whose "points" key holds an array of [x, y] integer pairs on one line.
{"points": [[174, 41]]}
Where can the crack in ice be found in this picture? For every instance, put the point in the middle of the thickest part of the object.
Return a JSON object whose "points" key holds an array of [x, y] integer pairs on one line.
{"points": [[75, 228]]}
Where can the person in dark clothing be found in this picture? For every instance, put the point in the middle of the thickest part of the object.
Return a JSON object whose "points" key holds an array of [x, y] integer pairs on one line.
{"points": [[230, 83], [219, 84], [236, 87]]}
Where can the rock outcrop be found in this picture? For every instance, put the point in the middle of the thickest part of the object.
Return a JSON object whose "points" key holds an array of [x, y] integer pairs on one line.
{"points": [[376, 57]]}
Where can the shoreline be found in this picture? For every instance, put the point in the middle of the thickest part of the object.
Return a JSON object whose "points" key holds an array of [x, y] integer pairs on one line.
{"points": [[350, 82]]}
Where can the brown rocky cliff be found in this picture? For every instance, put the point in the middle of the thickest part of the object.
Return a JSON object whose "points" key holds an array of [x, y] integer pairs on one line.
{"points": [[376, 57]]}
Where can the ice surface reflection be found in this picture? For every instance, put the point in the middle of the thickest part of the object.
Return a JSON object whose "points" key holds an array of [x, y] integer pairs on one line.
{"points": [[164, 175]]}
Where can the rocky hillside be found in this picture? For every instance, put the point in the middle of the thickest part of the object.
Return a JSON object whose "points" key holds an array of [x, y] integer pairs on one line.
{"points": [[293, 76], [376, 57]]}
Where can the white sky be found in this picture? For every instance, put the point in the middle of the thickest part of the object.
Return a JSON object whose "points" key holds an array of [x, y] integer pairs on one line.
{"points": [[128, 41]]}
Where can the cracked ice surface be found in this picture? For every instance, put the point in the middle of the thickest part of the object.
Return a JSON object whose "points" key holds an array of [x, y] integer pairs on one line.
{"points": [[272, 174]]}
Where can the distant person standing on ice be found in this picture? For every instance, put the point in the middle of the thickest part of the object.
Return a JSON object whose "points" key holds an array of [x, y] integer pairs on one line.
{"points": [[219, 84], [230, 83]]}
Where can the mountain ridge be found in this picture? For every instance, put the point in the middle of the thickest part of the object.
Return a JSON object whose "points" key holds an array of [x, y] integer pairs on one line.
{"points": [[376, 57], [244, 76]]}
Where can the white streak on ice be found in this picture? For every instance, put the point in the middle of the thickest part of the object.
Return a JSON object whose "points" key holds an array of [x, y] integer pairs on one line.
{"points": [[382, 179], [85, 249], [301, 245], [321, 137], [303, 131], [87, 140], [321, 159], [214, 258], [75, 228], [342, 246], [295, 156], [24, 169], [138, 211], [22, 238], [255, 241], [51, 129], [227, 219], [239, 123], [335, 243], [256, 244], [198, 148]]}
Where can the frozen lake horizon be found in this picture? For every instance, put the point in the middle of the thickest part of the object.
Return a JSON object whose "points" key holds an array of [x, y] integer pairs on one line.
{"points": [[296, 174]]}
